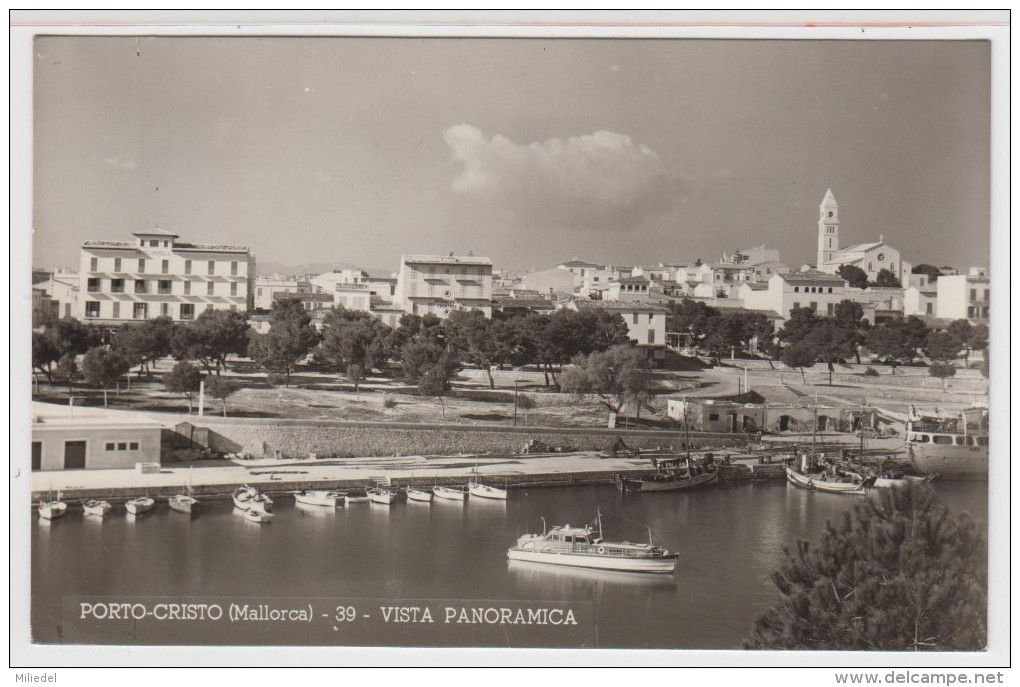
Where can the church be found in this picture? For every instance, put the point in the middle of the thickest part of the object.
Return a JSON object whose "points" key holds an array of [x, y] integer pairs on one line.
{"points": [[871, 257]]}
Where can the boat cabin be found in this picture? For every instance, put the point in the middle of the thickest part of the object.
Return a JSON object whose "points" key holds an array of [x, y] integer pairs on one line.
{"points": [[948, 439], [571, 535]]}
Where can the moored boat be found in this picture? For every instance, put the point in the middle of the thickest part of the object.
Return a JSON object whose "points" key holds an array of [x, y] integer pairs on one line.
{"points": [[355, 497], [484, 491], [139, 505], [320, 497], [584, 547], [816, 474], [259, 516], [247, 497], [419, 495], [96, 507], [384, 497], [183, 503], [673, 474], [952, 446], [52, 509], [449, 493]]}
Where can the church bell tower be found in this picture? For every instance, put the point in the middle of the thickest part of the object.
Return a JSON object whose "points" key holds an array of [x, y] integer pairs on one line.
{"points": [[828, 229]]}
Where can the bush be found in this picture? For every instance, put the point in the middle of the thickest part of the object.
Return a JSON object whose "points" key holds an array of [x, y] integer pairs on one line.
{"points": [[871, 372], [525, 402], [276, 379], [390, 403]]}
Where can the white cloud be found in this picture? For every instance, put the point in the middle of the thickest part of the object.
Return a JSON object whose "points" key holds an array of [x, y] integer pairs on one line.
{"points": [[602, 180]]}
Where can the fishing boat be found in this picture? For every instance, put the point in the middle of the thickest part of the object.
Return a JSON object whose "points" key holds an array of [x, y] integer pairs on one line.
{"points": [[584, 547], [259, 516], [818, 474], [185, 502], [484, 491], [247, 497], [677, 473], [419, 495], [382, 496], [320, 497], [953, 446], [450, 493], [355, 497], [52, 509], [139, 505], [96, 507]]}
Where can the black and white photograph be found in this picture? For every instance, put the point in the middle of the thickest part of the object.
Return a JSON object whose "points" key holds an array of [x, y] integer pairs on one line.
{"points": [[667, 343]]}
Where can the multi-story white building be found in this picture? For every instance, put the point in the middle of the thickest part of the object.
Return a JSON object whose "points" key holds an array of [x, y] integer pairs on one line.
{"points": [[437, 284], [267, 288], [63, 290], [646, 322], [964, 296], [156, 275], [784, 292]]}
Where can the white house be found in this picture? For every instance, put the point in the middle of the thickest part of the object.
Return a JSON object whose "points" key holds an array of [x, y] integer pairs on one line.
{"points": [[819, 291], [964, 296], [437, 284]]}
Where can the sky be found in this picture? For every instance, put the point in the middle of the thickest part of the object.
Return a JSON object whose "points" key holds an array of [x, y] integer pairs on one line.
{"points": [[529, 151]]}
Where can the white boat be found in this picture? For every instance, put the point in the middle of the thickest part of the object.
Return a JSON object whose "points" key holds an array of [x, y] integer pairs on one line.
{"points": [[584, 547], [382, 496], [185, 502], [259, 516], [319, 497], [247, 497], [825, 480], [355, 497], [451, 493], [952, 446], [419, 495], [51, 510], [139, 505], [484, 491], [96, 507]]}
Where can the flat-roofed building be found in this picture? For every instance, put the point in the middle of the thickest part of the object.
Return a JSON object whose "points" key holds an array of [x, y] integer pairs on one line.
{"points": [[157, 275], [267, 288], [69, 438], [964, 296], [437, 284]]}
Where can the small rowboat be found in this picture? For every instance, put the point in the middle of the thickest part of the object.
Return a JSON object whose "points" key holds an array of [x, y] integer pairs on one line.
{"points": [[484, 491], [451, 493], [96, 507], [248, 497], [311, 497], [183, 503], [259, 516], [51, 510], [419, 495], [139, 505], [382, 496]]}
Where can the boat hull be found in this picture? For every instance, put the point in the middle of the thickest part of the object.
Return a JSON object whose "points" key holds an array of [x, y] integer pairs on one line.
{"points": [[313, 498], [383, 498], [257, 516], [483, 491], [659, 565], [183, 504], [98, 510], [651, 485], [52, 511], [419, 496], [138, 506], [803, 481], [449, 494], [950, 462]]}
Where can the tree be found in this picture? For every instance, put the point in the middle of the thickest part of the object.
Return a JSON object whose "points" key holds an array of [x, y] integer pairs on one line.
{"points": [[850, 316], [476, 340], [144, 343], [691, 317], [942, 346], [102, 367], [221, 388], [214, 335], [288, 341], [617, 376], [59, 338], [932, 271], [942, 370], [435, 380], [185, 379], [898, 340], [800, 323], [799, 356], [44, 354], [978, 339], [418, 357], [885, 278], [67, 370], [352, 340], [855, 276], [831, 342], [897, 573]]}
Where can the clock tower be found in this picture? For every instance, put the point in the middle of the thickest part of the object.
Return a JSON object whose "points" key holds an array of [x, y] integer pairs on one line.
{"points": [[828, 229]]}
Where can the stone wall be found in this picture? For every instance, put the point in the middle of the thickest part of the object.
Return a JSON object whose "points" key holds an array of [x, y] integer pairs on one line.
{"points": [[325, 439]]}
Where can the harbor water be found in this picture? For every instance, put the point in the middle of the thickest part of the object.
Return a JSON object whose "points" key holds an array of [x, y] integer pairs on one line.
{"points": [[729, 539]]}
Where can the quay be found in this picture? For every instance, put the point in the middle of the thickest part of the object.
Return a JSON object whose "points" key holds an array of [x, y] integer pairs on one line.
{"points": [[217, 479]]}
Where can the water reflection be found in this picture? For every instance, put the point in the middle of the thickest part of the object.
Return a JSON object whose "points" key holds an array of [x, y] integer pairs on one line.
{"points": [[540, 574], [306, 509]]}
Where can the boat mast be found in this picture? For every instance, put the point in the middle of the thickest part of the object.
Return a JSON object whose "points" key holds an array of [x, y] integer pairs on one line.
{"points": [[863, 412]]}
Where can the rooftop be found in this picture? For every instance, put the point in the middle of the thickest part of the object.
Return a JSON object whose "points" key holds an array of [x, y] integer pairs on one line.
{"points": [[155, 232], [449, 259], [813, 276], [53, 415]]}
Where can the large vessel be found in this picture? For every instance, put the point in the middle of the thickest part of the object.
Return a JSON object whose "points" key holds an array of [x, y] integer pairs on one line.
{"points": [[584, 547], [951, 445]]}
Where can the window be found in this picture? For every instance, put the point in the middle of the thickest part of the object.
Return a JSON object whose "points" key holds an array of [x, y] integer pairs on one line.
{"points": [[116, 310], [122, 446], [209, 287], [233, 268], [830, 289], [165, 267], [635, 318], [260, 292], [973, 294], [212, 267], [814, 305], [713, 417], [117, 285], [93, 264], [141, 265], [651, 336], [133, 446], [140, 311], [982, 441], [141, 286], [796, 289], [940, 439], [187, 311], [93, 285], [164, 309], [796, 305], [164, 286], [870, 267], [187, 288], [233, 288], [110, 446], [92, 309], [116, 264], [187, 267]]}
